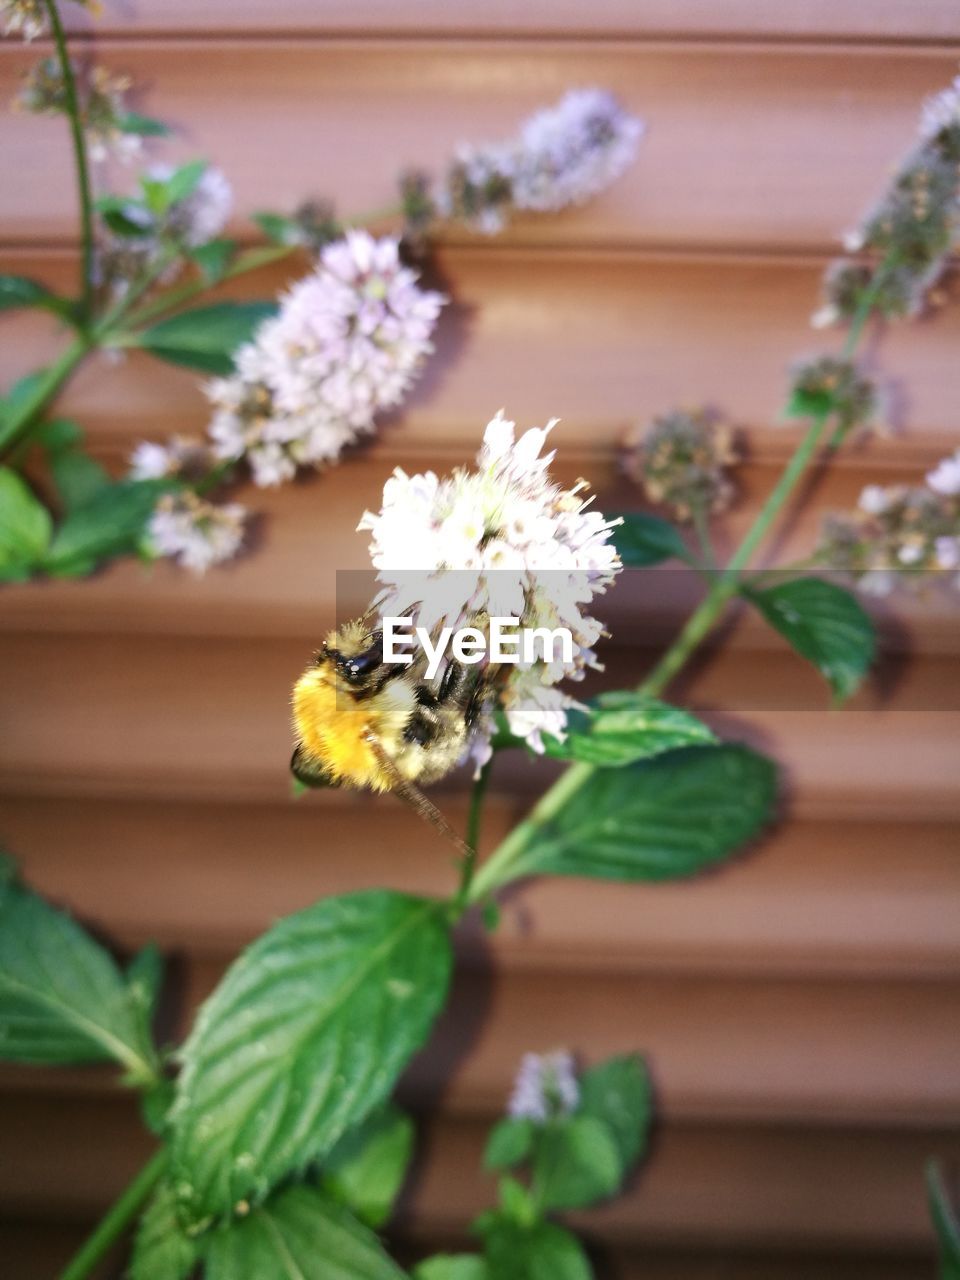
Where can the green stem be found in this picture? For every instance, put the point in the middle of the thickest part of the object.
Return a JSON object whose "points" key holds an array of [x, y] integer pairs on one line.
{"points": [[251, 260], [701, 526], [80, 158], [116, 1220], [474, 817], [48, 384]]}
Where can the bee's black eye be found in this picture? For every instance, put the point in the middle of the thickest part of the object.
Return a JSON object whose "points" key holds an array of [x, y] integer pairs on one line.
{"points": [[355, 669]]}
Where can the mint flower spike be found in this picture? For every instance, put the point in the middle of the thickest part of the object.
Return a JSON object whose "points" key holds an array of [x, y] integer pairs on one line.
{"points": [[546, 1087], [503, 541], [347, 343]]}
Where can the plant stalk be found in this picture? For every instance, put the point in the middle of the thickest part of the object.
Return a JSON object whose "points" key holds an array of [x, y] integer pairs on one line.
{"points": [[121, 1213], [81, 164]]}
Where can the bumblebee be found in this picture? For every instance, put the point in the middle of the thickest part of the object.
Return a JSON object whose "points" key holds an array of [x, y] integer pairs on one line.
{"points": [[360, 722]]}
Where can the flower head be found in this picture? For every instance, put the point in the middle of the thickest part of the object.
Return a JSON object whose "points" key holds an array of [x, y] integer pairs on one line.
{"points": [[194, 532], [839, 386], [202, 215], [563, 155], [347, 343], [500, 541], [546, 1087], [183, 456], [681, 460], [27, 18], [897, 528], [102, 109], [908, 237]]}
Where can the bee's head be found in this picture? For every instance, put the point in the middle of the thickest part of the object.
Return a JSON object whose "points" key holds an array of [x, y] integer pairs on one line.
{"points": [[354, 653]]}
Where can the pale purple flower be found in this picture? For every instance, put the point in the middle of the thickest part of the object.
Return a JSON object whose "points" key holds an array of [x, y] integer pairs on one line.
{"points": [[194, 532], [546, 1087], [347, 343], [26, 18], [945, 477], [942, 111]]}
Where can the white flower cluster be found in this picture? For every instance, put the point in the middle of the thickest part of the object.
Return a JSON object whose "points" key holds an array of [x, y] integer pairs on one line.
{"points": [[347, 343], [546, 1087], [500, 541], [940, 112], [26, 18], [898, 528], [203, 214], [180, 455], [194, 532], [563, 155]]}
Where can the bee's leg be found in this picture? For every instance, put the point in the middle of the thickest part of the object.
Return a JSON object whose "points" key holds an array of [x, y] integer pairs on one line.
{"points": [[412, 794]]}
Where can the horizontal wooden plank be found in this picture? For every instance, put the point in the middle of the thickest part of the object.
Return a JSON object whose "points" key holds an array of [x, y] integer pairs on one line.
{"points": [[707, 1186], [147, 716], [898, 20], [871, 899], [287, 585], [817, 898], [748, 145], [601, 340]]}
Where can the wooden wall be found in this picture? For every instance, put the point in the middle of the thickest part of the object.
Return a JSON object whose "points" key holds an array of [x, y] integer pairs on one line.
{"points": [[798, 1008]]}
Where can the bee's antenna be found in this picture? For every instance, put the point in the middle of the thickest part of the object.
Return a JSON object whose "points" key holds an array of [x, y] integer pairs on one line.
{"points": [[414, 797]]}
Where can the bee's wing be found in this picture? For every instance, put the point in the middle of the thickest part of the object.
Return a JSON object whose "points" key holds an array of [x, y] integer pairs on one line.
{"points": [[309, 772]]}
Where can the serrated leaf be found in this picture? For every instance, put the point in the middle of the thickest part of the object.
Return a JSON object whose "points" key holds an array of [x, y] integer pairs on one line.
{"points": [[452, 1266], [62, 998], [945, 1223], [143, 126], [367, 1167], [643, 540], [161, 1251], [213, 258], [298, 1234], [618, 1093], [625, 726], [510, 1142], [78, 478], [825, 624], [25, 524], [304, 1037], [576, 1163], [110, 523], [543, 1251], [657, 819], [20, 291], [145, 977], [206, 337]]}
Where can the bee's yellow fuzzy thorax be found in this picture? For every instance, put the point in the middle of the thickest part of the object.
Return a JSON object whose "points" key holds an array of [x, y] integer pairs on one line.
{"points": [[334, 729]]}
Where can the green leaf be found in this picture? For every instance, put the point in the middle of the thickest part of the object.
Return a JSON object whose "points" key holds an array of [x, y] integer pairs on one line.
{"points": [[625, 726], [14, 406], [543, 1251], [183, 181], [213, 258], [161, 1251], [516, 1202], [57, 435], [110, 523], [20, 291], [809, 403], [576, 1163], [206, 337], [510, 1142], [657, 819], [825, 624], [304, 1037], [62, 998], [142, 126], [642, 540], [298, 1234], [618, 1093], [145, 977], [452, 1266], [25, 525], [366, 1168], [126, 217], [78, 478], [278, 228], [945, 1223]]}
